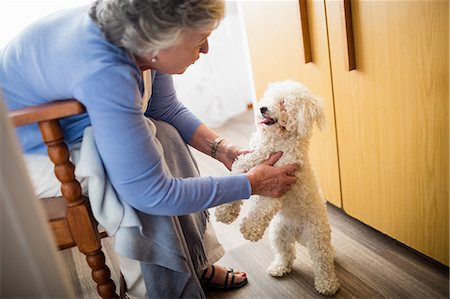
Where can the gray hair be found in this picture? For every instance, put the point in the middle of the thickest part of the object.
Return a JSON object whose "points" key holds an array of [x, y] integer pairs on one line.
{"points": [[143, 27]]}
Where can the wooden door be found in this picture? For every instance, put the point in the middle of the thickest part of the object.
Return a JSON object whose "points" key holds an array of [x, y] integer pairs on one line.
{"points": [[392, 118], [276, 49]]}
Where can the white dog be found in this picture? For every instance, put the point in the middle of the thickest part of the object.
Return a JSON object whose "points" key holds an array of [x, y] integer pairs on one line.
{"points": [[288, 112]]}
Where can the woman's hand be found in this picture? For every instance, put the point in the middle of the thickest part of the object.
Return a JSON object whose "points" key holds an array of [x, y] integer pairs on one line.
{"points": [[227, 153], [205, 140], [268, 180]]}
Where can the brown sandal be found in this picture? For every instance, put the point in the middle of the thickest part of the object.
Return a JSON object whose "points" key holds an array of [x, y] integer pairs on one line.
{"points": [[206, 282]]}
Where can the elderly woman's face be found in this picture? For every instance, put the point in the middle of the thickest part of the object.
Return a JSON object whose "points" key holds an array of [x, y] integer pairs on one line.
{"points": [[177, 59]]}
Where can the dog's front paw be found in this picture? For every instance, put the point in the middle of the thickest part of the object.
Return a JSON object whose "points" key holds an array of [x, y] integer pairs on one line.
{"points": [[279, 269], [227, 213], [327, 286], [251, 231]]}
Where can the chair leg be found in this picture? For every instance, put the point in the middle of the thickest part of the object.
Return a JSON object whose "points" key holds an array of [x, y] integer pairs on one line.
{"points": [[123, 287], [79, 217], [88, 242], [101, 275]]}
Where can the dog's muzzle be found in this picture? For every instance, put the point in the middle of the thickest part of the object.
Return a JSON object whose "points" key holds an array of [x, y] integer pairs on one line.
{"points": [[266, 119]]}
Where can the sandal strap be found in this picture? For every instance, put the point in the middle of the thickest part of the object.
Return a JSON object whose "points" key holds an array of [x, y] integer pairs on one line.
{"points": [[233, 275], [203, 279], [203, 274]]}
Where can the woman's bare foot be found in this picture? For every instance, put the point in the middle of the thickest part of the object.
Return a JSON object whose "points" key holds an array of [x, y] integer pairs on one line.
{"points": [[220, 277]]}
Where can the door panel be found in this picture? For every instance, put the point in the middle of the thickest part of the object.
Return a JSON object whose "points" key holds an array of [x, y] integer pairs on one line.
{"points": [[392, 119], [275, 42]]}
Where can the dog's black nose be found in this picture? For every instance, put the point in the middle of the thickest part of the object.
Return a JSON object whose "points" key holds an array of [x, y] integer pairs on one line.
{"points": [[263, 110]]}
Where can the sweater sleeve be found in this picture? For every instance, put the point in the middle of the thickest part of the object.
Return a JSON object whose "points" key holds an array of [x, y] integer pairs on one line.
{"points": [[164, 105], [128, 150]]}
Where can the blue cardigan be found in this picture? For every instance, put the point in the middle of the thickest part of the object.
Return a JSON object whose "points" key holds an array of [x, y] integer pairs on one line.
{"points": [[65, 55]]}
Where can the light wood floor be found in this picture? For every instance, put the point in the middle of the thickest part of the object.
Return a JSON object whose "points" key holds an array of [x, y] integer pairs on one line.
{"points": [[368, 263]]}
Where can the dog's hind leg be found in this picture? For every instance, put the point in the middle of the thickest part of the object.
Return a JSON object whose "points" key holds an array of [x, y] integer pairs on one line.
{"points": [[282, 242], [322, 254]]}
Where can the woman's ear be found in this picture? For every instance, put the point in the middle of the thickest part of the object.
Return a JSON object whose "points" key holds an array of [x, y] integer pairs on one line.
{"points": [[310, 112]]}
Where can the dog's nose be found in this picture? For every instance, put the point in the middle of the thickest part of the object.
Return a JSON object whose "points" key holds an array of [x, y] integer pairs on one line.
{"points": [[263, 110]]}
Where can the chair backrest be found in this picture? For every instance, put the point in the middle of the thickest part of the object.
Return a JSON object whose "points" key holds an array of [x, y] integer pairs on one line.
{"points": [[78, 226]]}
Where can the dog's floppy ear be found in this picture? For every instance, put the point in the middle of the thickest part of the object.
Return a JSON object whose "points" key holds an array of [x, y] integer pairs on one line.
{"points": [[310, 112]]}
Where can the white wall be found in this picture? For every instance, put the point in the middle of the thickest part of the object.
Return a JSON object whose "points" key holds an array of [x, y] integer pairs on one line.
{"points": [[15, 15], [220, 84]]}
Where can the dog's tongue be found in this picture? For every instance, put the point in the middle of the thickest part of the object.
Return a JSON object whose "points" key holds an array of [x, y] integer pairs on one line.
{"points": [[266, 120]]}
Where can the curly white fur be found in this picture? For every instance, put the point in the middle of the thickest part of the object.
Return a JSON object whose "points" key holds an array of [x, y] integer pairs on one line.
{"points": [[288, 114]]}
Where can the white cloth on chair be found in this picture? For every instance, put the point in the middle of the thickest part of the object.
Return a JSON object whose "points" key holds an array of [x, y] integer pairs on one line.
{"points": [[111, 212]]}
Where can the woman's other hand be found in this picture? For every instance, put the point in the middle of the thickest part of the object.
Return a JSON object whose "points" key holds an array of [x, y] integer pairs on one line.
{"points": [[268, 180], [227, 153]]}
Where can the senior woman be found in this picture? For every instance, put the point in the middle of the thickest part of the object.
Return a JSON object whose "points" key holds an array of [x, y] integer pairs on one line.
{"points": [[97, 54]]}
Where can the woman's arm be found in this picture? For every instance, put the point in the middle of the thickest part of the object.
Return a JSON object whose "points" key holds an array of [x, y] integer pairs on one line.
{"points": [[164, 105], [209, 142]]}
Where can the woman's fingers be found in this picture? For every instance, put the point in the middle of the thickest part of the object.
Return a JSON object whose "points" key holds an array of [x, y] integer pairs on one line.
{"points": [[268, 180], [290, 179], [273, 158], [245, 151], [290, 169]]}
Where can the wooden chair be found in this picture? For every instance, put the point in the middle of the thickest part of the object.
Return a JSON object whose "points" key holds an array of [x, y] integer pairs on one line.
{"points": [[69, 216]]}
